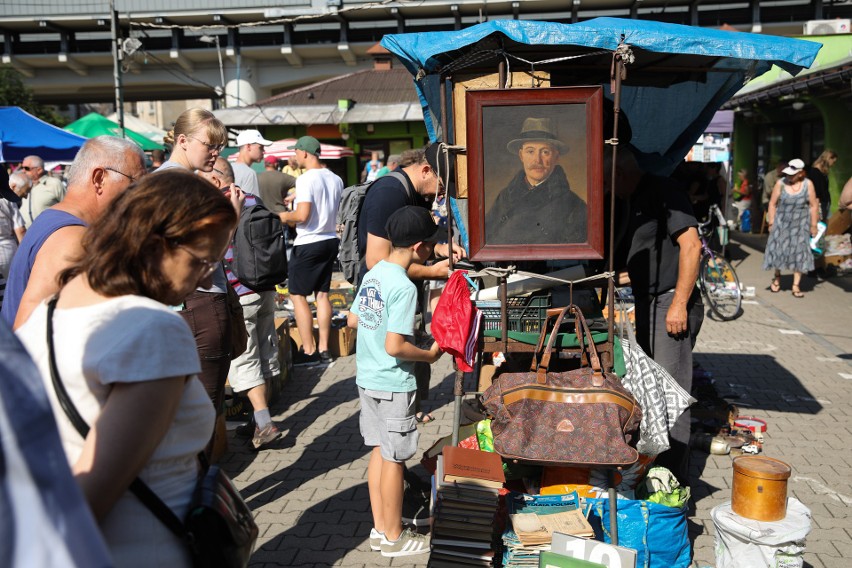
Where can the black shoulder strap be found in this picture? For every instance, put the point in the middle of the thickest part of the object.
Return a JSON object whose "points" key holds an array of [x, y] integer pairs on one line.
{"points": [[404, 181], [137, 487]]}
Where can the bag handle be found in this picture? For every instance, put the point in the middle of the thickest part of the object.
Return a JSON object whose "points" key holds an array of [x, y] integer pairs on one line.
{"points": [[137, 487], [550, 313], [594, 359], [541, 370], [582, 329]]}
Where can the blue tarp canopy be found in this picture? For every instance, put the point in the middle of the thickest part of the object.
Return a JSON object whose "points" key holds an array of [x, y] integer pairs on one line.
{"points": [[22, 134], [680, 77]]}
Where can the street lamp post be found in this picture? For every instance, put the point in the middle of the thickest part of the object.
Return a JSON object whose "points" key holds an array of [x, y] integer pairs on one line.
{"points": [[116, 66], [215, 40]]}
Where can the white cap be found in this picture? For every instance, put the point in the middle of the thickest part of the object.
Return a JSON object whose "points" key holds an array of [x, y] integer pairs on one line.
{"points": [[251, 137], [794, 167]]}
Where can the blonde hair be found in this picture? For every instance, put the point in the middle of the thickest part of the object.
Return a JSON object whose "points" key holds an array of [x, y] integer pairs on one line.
{"points": [[195, 119], [821, 163]]}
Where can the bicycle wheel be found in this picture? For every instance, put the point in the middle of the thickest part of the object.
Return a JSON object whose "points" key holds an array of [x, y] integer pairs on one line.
{"points": [[721, 287]]}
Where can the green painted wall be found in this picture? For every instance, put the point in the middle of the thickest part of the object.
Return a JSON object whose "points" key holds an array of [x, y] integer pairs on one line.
{"points": [[744, 151], [838, 137]]}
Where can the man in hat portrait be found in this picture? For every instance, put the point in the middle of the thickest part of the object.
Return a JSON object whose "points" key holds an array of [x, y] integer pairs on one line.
{"points": [[537, 206]]}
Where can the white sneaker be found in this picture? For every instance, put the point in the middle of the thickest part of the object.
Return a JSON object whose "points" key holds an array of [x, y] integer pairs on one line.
{"points": [[376, 539], [409, 543]]}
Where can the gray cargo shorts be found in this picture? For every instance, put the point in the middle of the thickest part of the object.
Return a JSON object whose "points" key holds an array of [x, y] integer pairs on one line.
{"points": [[387, 421]]}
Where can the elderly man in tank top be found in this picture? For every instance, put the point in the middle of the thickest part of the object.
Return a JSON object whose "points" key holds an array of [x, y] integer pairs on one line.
{"points": [[54, 238]]}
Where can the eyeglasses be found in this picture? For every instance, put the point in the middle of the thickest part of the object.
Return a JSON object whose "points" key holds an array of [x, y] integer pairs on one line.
{"points": [[210, 266], [210, 147], [131, 178], [28, 168]]}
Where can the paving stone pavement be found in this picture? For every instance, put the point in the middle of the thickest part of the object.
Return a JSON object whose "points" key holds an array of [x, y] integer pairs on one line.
{"points": [[309, 491]]}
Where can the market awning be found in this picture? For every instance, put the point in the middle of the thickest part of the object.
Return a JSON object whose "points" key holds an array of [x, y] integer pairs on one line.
{"points": [[281, 150], [723, 122], [22, 134], [94, 124], [680, 77]]}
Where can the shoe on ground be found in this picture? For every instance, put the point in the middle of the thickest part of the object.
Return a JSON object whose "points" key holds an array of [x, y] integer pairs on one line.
{"points": [[409, 543], [376, 539], [325, 357], [246, 430], [302, 360], [270, 433]]}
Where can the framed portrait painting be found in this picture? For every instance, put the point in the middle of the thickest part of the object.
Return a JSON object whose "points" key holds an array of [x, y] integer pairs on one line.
{"points": [[535, 173]]}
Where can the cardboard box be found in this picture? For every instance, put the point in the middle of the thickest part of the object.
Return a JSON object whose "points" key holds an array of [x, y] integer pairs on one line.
{"points": [[835, 260], [341, 295], [341, 342]]}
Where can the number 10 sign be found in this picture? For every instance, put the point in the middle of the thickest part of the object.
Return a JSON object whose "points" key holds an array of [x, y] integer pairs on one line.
{"points": [[594, 551]]}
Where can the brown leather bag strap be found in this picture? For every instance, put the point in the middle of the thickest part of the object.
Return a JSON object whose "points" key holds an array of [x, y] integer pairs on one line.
{"points": [[549, 314], [541, 371], [582, 328]]}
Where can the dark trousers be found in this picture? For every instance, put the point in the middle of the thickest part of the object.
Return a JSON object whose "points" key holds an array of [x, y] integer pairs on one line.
{"points": [[207, 317], [674, 354]]}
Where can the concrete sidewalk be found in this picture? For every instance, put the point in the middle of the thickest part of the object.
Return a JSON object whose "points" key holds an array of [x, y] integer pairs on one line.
{"points": [[785, 360]]}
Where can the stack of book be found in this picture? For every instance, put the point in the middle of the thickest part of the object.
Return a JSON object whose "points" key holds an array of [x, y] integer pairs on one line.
{"points": [[465, 497]]}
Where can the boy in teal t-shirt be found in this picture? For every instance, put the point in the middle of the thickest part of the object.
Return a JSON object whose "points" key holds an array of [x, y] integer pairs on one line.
{"points": [[383, 312]]}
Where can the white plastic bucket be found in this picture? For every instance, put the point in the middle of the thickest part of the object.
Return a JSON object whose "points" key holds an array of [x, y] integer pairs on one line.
{"points": [[744, 543]]}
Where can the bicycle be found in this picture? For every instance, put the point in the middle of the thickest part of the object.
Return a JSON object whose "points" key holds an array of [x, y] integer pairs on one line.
{"points": [[717, 279]]}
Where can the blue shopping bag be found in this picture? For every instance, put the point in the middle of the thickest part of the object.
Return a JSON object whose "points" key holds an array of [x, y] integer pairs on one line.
{"points": [[657, 533]]}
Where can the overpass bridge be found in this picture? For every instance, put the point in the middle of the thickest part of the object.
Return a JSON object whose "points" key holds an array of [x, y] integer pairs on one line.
{"points": [[191, 49]]}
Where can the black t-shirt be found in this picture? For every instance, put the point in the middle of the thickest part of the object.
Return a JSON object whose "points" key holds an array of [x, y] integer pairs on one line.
{"points": [[659, 212], [820, 181], [384, 197]]}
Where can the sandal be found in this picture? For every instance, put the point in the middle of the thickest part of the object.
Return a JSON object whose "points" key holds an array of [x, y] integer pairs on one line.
{"points": [[797, 293], [424, 418], [775, 286]]}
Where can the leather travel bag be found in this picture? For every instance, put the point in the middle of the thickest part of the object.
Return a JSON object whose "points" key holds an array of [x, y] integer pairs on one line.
{"points": [[582, 417]]}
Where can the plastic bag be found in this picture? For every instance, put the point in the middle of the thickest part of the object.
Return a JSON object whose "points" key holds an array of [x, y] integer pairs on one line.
{"points": [[657, 533], [744, 543]]}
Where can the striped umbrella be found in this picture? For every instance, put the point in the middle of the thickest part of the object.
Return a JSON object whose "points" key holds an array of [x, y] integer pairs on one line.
{"points": [[280, 149]]}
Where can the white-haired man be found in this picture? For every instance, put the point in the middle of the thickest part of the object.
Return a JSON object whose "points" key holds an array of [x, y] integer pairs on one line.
{"points": [[54, 239], [46, 192]]}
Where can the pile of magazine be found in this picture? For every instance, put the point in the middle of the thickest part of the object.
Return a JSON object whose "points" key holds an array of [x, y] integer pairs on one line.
{"points": [[534, 519]]}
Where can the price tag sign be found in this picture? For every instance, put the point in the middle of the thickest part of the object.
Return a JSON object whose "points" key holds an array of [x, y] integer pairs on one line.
{"points": [[593, 551]]}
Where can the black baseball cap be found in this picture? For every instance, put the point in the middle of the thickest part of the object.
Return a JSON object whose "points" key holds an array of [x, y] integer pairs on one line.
{"points": [[432, 153], [410, 225]]}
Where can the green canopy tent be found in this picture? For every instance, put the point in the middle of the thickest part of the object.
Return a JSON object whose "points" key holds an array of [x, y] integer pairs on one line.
{"points": [[94, 124]]}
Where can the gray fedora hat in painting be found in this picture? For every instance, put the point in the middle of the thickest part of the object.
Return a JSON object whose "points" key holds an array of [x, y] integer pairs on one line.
{"points": [[537, 130]]}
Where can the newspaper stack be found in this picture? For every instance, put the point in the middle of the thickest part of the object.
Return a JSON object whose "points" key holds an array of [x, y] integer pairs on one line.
{"points": [[530, 532]]}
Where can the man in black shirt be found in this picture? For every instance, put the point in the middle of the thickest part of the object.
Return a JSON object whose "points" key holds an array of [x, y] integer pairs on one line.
{"points": [[662, 264], [388, 194]]}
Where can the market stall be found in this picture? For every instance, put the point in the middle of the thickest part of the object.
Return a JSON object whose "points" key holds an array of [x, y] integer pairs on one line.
{"points": [[489, 87]]}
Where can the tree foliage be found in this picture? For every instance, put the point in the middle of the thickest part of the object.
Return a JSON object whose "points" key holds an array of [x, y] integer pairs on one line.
{"points": [[13, 92]]}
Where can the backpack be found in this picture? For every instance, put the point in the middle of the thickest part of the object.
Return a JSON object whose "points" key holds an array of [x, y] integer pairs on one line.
{"points": [[348, 214], [260, 254]]}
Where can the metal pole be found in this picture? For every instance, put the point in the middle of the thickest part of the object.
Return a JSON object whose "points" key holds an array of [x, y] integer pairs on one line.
{"points": [[221, 71], [116, 66], [616, 99]]}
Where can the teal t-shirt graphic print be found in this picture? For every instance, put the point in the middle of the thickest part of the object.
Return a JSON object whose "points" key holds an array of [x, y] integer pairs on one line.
{"points": [[385, 302]]}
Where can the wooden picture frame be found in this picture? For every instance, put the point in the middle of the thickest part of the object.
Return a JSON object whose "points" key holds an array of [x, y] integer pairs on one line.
{"points": [[535, 173]]}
